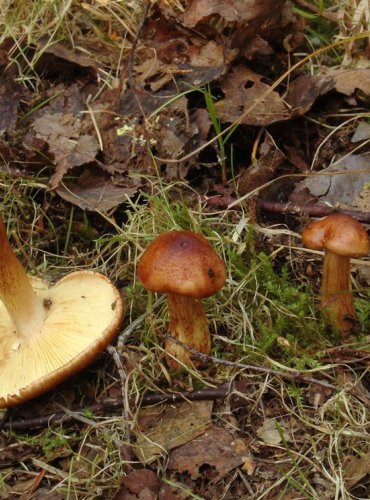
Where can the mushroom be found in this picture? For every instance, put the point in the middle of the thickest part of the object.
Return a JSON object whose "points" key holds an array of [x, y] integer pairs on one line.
{"points": [[342, 237], [184, 265], [49, 333]]}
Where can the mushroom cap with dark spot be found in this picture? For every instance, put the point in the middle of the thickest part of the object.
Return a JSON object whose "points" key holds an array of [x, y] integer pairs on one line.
{"points": [[338, 233], [183, 263]]}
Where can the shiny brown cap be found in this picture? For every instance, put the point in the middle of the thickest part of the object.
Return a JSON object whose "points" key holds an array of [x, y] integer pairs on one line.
{"points": [[340, 234], [183, 263]]}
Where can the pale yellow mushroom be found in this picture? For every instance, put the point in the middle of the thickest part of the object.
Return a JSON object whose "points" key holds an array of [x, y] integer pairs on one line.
{"points": [[49, 333]]}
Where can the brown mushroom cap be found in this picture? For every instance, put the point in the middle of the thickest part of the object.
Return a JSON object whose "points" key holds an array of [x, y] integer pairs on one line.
{"points": [[340, 234], [182, 263]]}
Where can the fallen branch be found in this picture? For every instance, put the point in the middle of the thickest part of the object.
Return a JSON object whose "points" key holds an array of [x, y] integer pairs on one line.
{"points": [[289, 375], [312, 210], [63, 417]]}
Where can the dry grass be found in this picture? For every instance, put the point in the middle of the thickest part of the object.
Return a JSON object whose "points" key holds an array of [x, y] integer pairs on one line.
{"points": [[266, 314]]}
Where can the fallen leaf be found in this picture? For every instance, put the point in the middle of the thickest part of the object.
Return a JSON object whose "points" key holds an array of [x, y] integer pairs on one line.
{"points": [[296, 157], [216, 448], [260, 13], [96, 190], [139, 483], [304, 91], [11, 94], [362, 132], [341, 183], [269, 433], [362, 200], [66, 141], [356, 469], [163, 427], [263, 169], [243, 87], [347, 81], [256, 46], [59, 51]]}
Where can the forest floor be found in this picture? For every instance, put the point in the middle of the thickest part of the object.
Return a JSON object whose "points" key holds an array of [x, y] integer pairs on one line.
{"points": [[122, 120]]}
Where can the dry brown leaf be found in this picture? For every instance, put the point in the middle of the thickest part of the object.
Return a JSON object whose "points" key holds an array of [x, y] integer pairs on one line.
{"points": [[356, 469], [72, 56], [243, 87], [11, 94], [263, 169], [256, 12], [137, 483], [304, 91], [69, 146], [163, 427], [347, 81], [96, 190], [255, 46], [217, 448]]}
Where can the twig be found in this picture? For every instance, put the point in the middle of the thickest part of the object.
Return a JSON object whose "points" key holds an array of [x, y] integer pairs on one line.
{"points": [[290, 375], [131, 79], [116, 353], [108, 405], [135, 43], [312, 210], [125, 450], [123, 337]]}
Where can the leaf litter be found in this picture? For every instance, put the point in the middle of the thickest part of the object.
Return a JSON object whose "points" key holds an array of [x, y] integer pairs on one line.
{"points": [[104, 143]]}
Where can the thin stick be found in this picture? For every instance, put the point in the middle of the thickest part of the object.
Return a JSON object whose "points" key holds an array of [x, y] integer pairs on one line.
{"points": [[312, 210], [124, 336], [108, 405], [125, 450], [290, 375]]}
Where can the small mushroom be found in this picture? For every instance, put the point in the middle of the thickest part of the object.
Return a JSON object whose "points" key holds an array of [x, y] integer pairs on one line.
{"points": [[184, 265], [342, 237], [49, 333]]}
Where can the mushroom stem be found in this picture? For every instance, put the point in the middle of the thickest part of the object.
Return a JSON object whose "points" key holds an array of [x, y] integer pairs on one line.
{"points": [[188, 324], [336, 296], [25, 308]]}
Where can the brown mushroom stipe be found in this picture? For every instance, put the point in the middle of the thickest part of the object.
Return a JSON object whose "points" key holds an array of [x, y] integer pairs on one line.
{"points": [[184, 265], [48, 334], [342, 237]]}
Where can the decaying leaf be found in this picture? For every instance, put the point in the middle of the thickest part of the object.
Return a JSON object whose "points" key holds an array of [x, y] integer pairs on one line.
{"points": [[96, 190], [141, 483], [216, 448], [269, 432], [340, 184], [356, 469], [243, 88], [256, 12], [347, 81], [66, 141], [11, 94], [58, 50], [163, 427], [304, 91], [263, 169], [362, 132]]}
